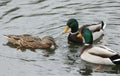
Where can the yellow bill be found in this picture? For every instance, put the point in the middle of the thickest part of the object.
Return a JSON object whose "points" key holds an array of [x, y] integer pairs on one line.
{"points": [[79, 35], [66, 29]]}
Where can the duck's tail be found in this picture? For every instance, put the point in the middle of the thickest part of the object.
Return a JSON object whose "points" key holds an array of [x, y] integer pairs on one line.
{"points": [[7, 36], [115, 59], [103, 25]]}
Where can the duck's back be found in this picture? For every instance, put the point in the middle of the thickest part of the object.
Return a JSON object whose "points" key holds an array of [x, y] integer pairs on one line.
{"points": [[86, 56], [29, 41], [24, 40], [98, 55]]}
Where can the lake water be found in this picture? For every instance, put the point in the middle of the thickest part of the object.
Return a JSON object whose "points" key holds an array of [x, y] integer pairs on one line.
{"points": [[49, 17]]}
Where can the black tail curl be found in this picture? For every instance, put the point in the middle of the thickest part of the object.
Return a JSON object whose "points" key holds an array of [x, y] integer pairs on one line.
{"points": [[115, 59]]}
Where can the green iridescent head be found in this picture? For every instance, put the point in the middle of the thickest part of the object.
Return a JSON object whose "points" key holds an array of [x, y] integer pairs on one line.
{"points": [[87, 35], [73, 24]]}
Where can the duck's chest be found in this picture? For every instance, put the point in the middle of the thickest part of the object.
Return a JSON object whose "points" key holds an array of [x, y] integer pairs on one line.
{"points": [[74, 39]]}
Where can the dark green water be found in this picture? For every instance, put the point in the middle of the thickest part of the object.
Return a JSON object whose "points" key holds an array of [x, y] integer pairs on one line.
{"points": [[48, 17]]}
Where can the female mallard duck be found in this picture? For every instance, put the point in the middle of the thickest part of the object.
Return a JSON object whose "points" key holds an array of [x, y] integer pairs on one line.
{"points": [[74, 37], [29, 41], [97, 54]]}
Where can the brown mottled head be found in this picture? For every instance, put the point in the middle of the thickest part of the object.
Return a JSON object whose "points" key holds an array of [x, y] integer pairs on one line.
{"points": [[49, 40]]}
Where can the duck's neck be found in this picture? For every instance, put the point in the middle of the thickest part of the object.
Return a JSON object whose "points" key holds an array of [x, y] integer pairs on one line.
{"points": [[86, 46], [74, 30]]}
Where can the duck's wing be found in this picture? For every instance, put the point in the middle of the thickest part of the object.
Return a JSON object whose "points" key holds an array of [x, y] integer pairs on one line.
{"points": [[104, 47], [98, 35], [30, 38], [102, 52], [95, 27], [96, 58], [97, 30], [35, 43], [30, 41], [22, 39]]}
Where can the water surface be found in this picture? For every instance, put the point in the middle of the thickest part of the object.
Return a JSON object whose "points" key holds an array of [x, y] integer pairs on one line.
{"points": [[49, 17]]}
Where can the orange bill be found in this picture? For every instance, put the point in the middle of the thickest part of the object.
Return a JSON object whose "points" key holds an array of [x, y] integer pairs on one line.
{"points": [[79, 35], [66, 29]]}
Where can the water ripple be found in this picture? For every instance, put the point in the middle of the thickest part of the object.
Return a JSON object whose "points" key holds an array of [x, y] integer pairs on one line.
{"points": [[41, 14], [59, 7], [37, 1], [49, 17], [16, 17], [4, 2], [43, 7], [9, 11]]}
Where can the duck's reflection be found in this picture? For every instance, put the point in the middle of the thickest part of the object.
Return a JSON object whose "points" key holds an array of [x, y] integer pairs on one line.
{"points": [[88, 69]]}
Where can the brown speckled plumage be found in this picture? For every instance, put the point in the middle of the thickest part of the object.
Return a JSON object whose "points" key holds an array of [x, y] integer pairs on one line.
{"points": [[29, 41]]}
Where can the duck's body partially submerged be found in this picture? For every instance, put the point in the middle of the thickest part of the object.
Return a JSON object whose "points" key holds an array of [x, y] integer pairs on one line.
{"points": [[101, 55], [96, 29], [97, 54], [29, 41]]}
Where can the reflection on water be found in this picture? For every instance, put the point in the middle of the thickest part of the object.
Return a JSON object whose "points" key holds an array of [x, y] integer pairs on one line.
{"points": [[48, 17], [89, 69]]}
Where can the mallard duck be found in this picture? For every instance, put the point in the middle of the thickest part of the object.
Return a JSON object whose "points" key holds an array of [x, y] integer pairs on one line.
{"points": [[97, 54], [29, 41], [74, 37]]}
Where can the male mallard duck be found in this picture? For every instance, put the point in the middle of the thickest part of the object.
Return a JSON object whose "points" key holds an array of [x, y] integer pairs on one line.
{"points": [[74, 37], [29, 41], [97, 54]]}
